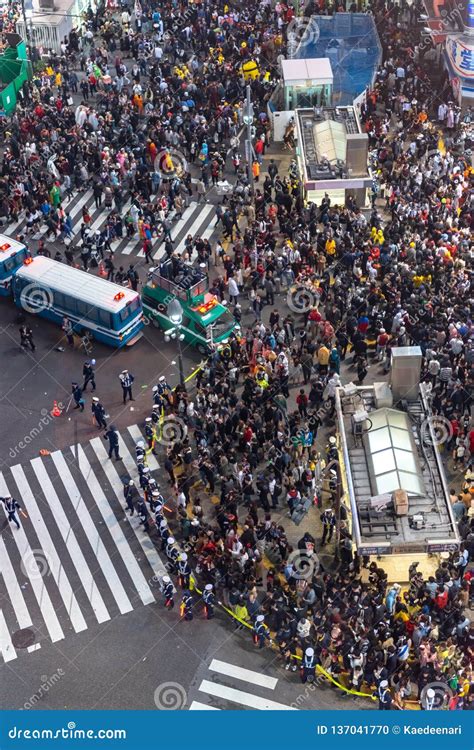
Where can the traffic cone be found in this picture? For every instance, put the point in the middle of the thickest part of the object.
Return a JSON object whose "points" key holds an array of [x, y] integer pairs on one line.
{"points": [[56, 412]]}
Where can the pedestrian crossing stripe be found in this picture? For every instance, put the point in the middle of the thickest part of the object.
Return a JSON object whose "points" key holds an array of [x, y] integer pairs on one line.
{"points": [[78, 558], [216, 689], [197, 218], [250, 700]]}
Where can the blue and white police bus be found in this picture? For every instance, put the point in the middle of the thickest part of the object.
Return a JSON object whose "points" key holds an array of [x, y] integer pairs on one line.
{"points": [[108, 312], [12, 255]]}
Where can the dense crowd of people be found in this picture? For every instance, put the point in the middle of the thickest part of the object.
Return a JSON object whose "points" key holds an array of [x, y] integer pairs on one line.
{"points": [[167, 80]]}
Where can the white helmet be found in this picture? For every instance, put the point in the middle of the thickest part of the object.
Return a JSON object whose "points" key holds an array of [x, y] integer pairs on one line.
{"points": [[140, 444], [183, 557], [309, 652], [166, 579]]}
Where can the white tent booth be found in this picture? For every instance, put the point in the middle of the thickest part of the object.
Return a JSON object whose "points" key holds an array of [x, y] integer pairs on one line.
{"points": [[307, 83]]}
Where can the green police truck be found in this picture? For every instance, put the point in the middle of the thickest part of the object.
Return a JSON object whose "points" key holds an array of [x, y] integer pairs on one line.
{"points": [[206, 322]]}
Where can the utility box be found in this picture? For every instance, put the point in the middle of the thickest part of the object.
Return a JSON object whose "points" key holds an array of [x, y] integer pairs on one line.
{"points": [[405, 373], [400, 502]]}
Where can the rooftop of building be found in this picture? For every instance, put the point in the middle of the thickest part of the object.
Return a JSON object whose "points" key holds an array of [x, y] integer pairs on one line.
{"points": [[394, 448], [333, 145]]}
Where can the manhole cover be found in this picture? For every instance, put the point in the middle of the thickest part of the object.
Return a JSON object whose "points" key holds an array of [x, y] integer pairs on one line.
{"points": [[23, 638]]}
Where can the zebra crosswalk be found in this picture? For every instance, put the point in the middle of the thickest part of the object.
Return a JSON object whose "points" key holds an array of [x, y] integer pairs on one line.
{"points": [[77, 558], [228, 697], [197, 218]]}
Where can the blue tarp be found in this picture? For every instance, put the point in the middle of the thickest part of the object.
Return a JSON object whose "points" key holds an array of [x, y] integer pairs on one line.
{"points": [[351, 43]]}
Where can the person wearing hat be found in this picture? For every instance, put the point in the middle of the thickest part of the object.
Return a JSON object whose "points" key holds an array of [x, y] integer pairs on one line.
{"points": [[328, 520], [126, 380], [209, 600], [168, 591], [384, 695], [130, 494], [89, 375], [186, 609], [172, 552], [98, 413], [144, 473], [112, 436], [308, 666], [184, 571], [164, 389], [260, 632], [150, 434]]}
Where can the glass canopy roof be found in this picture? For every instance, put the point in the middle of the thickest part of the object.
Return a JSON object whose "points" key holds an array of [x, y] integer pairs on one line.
{"points": [[392, 454]]}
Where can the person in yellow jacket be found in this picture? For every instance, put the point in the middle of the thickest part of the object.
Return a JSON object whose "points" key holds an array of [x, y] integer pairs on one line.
{"points": [[256, 170], [330, 246]]}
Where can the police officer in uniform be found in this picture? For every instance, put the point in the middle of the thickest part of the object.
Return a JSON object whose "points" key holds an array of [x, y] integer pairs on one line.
{"points": [[126, 380], [209, 600], [308, 666], [164, 389], [260, 632], [155, 414], [11, 508], [168, 591], [184, 571], [140, 456], [88, 374], [163, 532], [98, 412], [328, 519], [187, 605], [144, 473], [157, 398], [143, 515], [77, 396], [172, 552], [112, 436], [150, 435], [384, 695], [130, 494]]}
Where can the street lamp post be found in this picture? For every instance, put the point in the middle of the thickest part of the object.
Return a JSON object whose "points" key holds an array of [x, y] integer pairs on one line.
{"points": [[175, 314], [248, 120]]}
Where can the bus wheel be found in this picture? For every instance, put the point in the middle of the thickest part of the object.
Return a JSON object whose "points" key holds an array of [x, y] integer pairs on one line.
{"points": [[156, 322], [202, 349]]}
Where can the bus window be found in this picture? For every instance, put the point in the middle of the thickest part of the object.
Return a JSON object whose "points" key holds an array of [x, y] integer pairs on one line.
{"points": [[9, 264], [124, 314], [105, 318], [59, 299], [82, 309]]}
